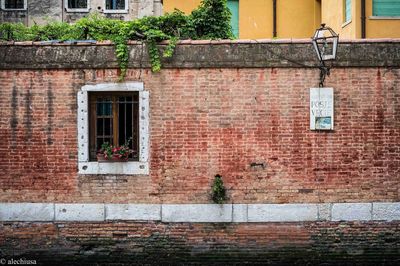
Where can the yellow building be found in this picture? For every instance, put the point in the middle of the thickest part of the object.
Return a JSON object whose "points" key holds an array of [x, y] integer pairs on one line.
{"points": [[353, 19], [257, 19]]}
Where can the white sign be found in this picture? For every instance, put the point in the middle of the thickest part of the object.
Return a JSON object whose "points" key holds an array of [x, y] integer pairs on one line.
{"points": [[321, 108]]}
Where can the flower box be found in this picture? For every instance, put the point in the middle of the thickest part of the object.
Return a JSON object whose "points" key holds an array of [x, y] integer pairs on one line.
{"points": [[101, 158]]}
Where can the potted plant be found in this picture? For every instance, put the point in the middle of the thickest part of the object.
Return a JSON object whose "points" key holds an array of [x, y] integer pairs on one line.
{"points": [[114, 153]]}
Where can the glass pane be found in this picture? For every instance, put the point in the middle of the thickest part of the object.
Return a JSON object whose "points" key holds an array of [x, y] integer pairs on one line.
{"points": [[77, 3], [104, 108], [348, 10], [115, 4], [107, 126], [14, 4], [100, 127]]}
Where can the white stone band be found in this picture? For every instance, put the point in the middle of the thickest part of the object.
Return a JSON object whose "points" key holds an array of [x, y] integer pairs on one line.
{"points": [[204, 213]]}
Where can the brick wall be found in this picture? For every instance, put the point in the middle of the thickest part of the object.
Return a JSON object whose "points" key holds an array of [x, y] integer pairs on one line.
{"points": [[205, 122], [206, 118], [148, 243]]}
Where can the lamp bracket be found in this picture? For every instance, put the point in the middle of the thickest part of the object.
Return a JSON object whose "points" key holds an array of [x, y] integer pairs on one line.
{"points": [[324, 71]]}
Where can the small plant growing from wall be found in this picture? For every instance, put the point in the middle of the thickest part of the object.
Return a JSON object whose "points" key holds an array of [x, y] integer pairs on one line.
{"points": [[218, 190]]}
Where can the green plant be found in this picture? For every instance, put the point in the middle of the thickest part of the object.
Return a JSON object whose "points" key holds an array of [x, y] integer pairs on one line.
{"points": [[209, 21], [218, 190]]}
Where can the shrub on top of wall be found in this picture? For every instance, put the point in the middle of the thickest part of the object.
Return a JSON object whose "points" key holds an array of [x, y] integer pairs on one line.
{"points": [[209, 21]]}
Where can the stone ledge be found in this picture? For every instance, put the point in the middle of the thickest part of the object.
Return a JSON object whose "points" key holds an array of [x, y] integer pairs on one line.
{"points": [[200, 54], [200, 213]]}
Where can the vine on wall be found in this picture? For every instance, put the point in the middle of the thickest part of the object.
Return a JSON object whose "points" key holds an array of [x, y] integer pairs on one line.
{"points": [[211, 20]]}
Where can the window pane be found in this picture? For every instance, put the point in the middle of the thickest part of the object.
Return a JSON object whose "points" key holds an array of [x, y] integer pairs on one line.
{"points": [[390, 8], [347, 10], [77, 3], [104, 107], [115, 4], [14, 4], [100, 127], [107, 126]]}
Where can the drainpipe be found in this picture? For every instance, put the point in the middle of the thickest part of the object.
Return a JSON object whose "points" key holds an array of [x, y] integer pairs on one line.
{"points": [[274, 33], [62, 10], [363, 26]]}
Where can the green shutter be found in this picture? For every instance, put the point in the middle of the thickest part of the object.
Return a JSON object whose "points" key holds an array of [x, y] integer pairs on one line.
{"points": [[386, 8], [233, 6], [347, 10]]}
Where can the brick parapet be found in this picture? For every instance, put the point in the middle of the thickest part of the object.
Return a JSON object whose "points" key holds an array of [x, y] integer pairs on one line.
{"points": [[293, 53]]}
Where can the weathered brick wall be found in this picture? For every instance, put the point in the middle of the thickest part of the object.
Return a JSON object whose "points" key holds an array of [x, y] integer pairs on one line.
{"points": [[209, 121], [218, 113], [147, 243]]}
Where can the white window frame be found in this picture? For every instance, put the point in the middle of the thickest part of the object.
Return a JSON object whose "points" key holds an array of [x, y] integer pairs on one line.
{"points": [[85, 166], [77, 10], [3, 6], [116, 11]]}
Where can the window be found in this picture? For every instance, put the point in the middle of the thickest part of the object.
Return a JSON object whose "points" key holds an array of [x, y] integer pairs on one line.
{"points": [[386, 8], [347, 10], [113, 112], [114, 119], [14, 4], [233, 6], [77, 5], [116, 6]]}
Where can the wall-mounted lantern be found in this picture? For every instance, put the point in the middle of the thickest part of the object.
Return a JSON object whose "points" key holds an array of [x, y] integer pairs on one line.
{"points": [[325, 42]]}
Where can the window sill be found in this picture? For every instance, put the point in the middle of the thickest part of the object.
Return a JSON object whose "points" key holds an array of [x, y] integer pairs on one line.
{"points": [[121, 11], [77, 10], [13, 9], [115, 168], [384, 18], [346, 23]]}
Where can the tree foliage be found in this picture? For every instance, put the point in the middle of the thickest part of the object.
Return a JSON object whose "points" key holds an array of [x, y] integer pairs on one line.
{"points": [[209, 21]]}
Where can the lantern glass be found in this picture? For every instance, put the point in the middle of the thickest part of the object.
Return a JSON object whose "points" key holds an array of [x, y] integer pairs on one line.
{"points": [[325, 42]]}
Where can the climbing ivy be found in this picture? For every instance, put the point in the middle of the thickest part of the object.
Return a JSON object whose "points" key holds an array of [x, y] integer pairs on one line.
{"points": [[209, 21]]}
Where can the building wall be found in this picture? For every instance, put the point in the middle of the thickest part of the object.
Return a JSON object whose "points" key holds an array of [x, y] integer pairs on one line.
{"points": [[381, 28], [376, 27], [295, 19], [208, 121], [147, 243], [321, 196], [40, 11]]}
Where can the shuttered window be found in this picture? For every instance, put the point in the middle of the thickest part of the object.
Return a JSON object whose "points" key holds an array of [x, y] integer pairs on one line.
{"points": [[347, 10], [386, 8], [233, 6]]}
